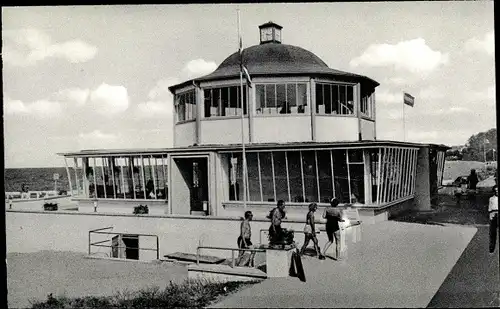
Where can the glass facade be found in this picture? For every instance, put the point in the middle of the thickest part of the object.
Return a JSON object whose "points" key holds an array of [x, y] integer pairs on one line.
{"points": [[124, 177], [285, 98], [386, 173]]}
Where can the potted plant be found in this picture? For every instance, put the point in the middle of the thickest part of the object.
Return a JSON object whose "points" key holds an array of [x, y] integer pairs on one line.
{"points": [[50, 206], [141, 209]]}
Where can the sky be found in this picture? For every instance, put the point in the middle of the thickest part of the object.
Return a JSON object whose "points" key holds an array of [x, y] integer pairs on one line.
{"points": [[93, 77]]}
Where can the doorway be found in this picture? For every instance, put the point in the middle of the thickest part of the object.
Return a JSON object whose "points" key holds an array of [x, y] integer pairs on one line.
{"points": [[190, 184]]}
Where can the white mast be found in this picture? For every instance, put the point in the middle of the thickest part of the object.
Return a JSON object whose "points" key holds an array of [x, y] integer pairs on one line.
{"points": [[242, 118]]}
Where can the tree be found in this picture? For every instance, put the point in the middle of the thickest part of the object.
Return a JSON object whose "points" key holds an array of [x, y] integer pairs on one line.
{"points": [[479, 145]]}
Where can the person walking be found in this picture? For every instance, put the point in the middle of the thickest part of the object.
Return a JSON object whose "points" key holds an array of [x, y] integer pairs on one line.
{"points": [[244, 241], [493, 213], [310, 232], [333, 216], [472, 181]]}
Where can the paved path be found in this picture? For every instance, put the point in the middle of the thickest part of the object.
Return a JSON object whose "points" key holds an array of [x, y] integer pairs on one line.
{"points": [[396, 264]]}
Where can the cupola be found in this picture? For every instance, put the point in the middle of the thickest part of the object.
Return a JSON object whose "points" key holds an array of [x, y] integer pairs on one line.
{"points": [[270, 32]]}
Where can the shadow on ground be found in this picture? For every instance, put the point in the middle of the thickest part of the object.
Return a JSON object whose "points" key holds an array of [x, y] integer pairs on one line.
{"points": [[474, 280], [451, 210]]}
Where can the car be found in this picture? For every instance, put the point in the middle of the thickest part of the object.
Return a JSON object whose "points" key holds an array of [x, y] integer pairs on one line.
{"points": [[486, 186], [460, 186]]}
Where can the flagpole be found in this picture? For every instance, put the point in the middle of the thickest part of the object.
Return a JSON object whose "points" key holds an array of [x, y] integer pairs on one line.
{"points": [[404, 121], [242, 118]]}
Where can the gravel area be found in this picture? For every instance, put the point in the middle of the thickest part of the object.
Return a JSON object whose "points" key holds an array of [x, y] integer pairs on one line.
{"points": [[32, 276]]}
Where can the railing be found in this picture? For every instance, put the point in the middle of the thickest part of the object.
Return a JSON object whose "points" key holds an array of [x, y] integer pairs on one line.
{"points": [[226, 249], [100, 243], [267, 230]]}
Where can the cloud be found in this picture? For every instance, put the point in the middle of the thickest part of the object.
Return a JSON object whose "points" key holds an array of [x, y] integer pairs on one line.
{"points": [[199, 67], [431, 92], [397, 81], [96, 135], [39, 108], [160, 90], [109, 100], [154, 109], [487, 94], [26, 47], [385, 97], [98, 140], [414, 56], [160, 103], [485, 44], [75, 95]]}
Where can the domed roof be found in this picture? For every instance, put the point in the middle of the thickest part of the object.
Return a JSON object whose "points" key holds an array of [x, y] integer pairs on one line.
{"points": [[273, 58], [276, 59]]}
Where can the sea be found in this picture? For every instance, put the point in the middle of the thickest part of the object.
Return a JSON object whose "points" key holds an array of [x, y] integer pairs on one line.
{"points": [[36, 179]]}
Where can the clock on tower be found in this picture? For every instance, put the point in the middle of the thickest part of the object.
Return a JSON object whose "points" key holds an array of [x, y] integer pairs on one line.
{"points": [[270, 33]]}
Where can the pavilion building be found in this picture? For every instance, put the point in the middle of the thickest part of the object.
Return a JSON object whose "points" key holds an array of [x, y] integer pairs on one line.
{"points": [[309, 133]]}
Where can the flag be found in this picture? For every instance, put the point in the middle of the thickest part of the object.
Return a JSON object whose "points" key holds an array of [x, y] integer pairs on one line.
{"points": [[408, 99], [243, 68]]}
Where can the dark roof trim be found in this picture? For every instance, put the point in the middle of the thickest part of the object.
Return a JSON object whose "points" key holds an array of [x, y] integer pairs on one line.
{"points": [[270, 23], [347, 76], [237, 147]]}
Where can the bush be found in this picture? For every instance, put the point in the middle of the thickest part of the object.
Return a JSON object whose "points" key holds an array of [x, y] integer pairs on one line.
{"points": [[50, 206], [190, 293], [141, 209]]}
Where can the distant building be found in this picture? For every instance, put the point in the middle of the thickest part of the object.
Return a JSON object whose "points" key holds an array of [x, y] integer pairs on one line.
{"points": [[309, 133]]}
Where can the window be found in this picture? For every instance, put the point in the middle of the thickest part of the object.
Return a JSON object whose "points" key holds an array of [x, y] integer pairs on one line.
{"points": [[325, 175], [285, 98], [224, 101], [280, 175], [185, 106], [310, 182], [266, 173], [124, 177], [301, 176], [334, 99], [367, 102]]}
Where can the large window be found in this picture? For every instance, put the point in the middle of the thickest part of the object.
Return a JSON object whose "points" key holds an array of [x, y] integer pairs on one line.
{"points": [[367, 102], [318, 175], [185, 106], [286, 98], [131, 177], [225, 101], [397, 174], [334, 99]]}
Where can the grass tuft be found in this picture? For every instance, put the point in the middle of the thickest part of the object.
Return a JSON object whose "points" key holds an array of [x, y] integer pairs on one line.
{"points": [[190, 293]]}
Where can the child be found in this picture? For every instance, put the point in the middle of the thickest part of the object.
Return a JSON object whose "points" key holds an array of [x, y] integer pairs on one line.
{"points": [[310, 231]]}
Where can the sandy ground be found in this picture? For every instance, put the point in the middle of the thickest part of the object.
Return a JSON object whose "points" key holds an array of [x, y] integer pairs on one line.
{"points": [[32, 276]]}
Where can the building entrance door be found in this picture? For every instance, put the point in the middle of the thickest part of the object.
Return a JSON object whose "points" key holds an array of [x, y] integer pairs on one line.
{"points": [[190, 186], [199, 186]]}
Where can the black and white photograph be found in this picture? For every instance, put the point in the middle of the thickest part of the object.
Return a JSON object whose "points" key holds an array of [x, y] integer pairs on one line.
{"points": [[251, 155]]}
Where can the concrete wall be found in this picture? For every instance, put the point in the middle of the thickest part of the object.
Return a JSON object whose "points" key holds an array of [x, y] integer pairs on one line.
{"points": [[223, 131], [422, 183], [185, 134], [156, 207], [282, 129], [30, 231], [336, 128], [367, 129]]}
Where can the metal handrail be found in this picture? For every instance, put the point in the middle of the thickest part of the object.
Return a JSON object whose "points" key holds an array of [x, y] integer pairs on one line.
{"points": [[98, 243], [225, 248], [267, 230]]}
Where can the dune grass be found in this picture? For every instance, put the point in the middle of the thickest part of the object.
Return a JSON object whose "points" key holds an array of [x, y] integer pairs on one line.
{"points": [[191, 293]]}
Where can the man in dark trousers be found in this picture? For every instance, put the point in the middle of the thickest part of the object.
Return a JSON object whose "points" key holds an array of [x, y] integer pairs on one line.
{"points": [[493, 213], [333, 216]]}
